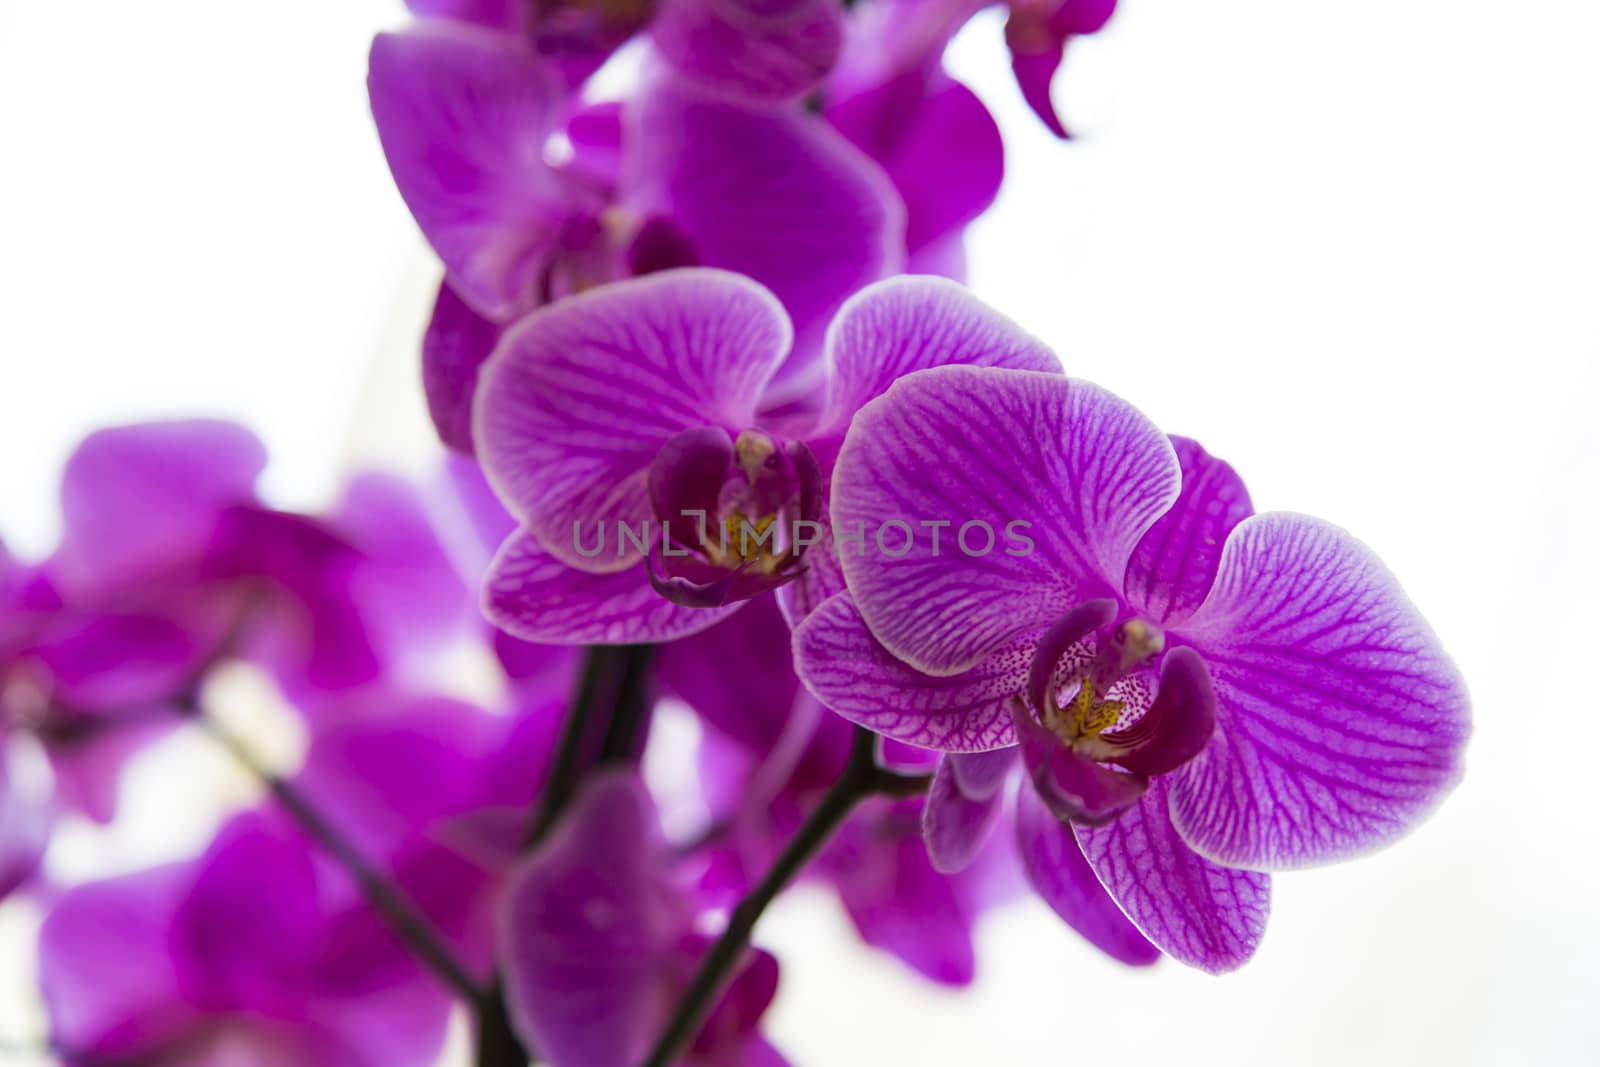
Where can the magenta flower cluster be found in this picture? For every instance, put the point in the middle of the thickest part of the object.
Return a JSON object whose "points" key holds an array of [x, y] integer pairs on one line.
{"points": [[730, 445]]}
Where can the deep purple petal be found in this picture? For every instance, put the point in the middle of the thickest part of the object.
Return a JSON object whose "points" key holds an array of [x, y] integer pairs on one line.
{"points": [[687, 477], [534, 596], [955, 824], [1065, 476], [849, 671], [262, 964], [1172, 569], [496, 14], [139, 500], [117, 1004], [1341, 720], [770, 192], [581, 396], [1035, 68], [1179, 723], [588, 926], [1078, 623], [457, 342], [936, 141], [898, 900], [758, 49], [907, 324], [1200, 914], [1058, 871], [121, 661], [1074, 787], [463, 114]]}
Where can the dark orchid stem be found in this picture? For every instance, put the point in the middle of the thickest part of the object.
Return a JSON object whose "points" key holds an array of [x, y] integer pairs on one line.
{"points": [[630, 714], [402, 917], [862, 778], [577, 733]]}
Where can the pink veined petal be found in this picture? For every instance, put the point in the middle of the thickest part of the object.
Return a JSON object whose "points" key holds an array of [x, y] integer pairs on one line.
{"points": [[1064, 475], [771, 192], [1061, 875], [755, 49], [580, 397], [1172, 569], [838, 659], [532, 595], [137, 500], [463, 114], [588, 926], [938, 144], [956, 823], [1340, 719], [1207, 916], [910, 323], [457, 342]]}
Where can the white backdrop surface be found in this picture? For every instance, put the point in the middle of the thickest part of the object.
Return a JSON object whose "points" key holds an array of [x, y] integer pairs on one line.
{"points": [[1353, 248]]}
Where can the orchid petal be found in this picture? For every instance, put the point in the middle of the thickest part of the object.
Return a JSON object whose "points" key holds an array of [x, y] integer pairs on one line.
{"points": [[1062, 876], [1340, 719], [1197, 912], [140, 500], [838, 659], [956, 824], [770, 192], [757, 49], [457, 342], [906, 324], [532, 595], [1074, 787], [938, 144], [588, 925], [1172, 569], [1080, 477], [1179, 723], [581, 396], [463, 114]]}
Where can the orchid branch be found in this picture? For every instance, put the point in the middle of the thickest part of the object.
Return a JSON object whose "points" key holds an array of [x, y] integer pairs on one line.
{"points": [[862, 778], [403, 918]]}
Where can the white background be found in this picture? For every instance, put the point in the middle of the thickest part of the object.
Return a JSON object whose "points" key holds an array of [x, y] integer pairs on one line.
{"points": [[1354, 248]]}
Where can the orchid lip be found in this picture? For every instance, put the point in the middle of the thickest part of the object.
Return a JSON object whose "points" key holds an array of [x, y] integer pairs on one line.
{"points": [[1068, 742], [741, 500]]}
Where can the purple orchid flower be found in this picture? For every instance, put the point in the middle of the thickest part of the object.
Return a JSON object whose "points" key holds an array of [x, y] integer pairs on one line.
{"points": [[891, 97], [638, 414], [597, 942], [770, 752], [169, 564], [1198, 694], [156, 968], [756, 49], [526, 201]]}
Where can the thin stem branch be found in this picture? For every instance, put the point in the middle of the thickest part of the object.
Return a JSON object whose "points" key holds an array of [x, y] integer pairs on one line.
{"points": [[385, 898], [862, 778]]}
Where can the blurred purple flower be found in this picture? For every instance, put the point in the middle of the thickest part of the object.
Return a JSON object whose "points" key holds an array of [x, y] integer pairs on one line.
{"points": [[233, 957], [168, 564], [644, 405], [755, 49], [528, 198], [770, 752], [597, 942], [1198, 694]]}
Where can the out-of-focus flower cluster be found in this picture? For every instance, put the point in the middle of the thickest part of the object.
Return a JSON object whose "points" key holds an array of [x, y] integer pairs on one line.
{"points": [[732, 446]]}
